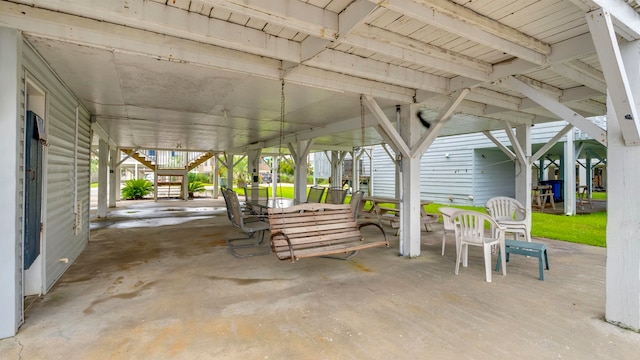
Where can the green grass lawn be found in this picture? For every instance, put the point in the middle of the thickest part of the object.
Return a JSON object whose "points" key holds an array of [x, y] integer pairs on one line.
{"points": [[590, 229], [587, 229]]}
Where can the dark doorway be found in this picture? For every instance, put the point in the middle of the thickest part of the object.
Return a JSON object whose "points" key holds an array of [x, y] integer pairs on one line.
{"points": [[34, 129]]}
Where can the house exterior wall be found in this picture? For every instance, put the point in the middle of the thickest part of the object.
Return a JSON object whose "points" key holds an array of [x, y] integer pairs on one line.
{"points": [[65, 190], [383, 173], [493, 175], [67, 171], [453, 170]]}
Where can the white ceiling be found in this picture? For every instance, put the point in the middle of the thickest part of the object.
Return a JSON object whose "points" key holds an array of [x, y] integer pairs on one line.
{"points": [[206, 75]]}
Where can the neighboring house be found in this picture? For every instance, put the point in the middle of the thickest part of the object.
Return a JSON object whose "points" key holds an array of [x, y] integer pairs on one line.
{"points": [[469, 169], [133, 169]]}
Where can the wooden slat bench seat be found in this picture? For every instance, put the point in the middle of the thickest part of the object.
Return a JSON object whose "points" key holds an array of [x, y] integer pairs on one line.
{"points": [[316, 229]]}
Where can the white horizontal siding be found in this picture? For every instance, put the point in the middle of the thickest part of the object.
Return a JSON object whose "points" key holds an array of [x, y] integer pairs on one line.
{"points": [[383, 173], [447, 180], [464, 177], [494, 175], [60, 239]]}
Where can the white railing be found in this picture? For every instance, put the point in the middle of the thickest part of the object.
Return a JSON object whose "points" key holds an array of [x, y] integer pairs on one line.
{"points": [[171, 159], [601, 121]]}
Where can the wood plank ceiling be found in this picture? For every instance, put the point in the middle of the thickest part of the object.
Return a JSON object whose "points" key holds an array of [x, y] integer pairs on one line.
{"points": [[207, 74]]}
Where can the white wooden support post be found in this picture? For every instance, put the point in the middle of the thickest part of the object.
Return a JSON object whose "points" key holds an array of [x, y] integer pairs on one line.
{"points": [[340, 170], [185, 184], [404, 140], [11, 274], [253, 162], [155, 182], [410, 129], [118, 195], [274, 175], [370, 182], [617, 72], [398, 161], [229, 164], [623, 209], [356, 155], [103, 157], [300, 153], [589, 177], [336, 169], [113, 172], [523, 168], [561, 169], [569, 178], [216, 178]]}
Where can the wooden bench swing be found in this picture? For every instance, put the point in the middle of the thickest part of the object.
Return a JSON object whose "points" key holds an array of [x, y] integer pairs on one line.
{"points": [[316, 229]]}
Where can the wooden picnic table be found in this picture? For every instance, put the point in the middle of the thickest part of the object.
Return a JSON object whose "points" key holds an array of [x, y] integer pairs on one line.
{"points": [[541, 195], [387, 209], [583, 196], [260, 206]]}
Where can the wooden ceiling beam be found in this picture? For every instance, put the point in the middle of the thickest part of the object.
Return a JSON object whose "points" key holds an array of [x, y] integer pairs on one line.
{"points": [[295, 15], [387, 43], [465, 23]]}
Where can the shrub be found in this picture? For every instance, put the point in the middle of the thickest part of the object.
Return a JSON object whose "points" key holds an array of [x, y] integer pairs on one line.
{"points": [[195, 186], [285, 178], [202, 177], [137, 189]]}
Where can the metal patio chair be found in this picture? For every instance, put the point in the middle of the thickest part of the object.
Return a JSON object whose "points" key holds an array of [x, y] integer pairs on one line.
{"points": [[336, 196], [250, 228], [315, 194]]}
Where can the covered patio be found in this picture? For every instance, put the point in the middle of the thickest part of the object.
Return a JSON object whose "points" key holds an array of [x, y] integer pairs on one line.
{"points": [[247, 77], [142, 289]]}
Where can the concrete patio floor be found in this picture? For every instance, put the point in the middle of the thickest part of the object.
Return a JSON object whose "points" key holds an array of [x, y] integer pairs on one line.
{"points": [[156, 282]]}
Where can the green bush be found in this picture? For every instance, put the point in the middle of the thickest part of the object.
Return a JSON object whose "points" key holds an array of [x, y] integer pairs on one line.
{"points": [[195, 186], [203, 178], [285, 178], [137, 189]]}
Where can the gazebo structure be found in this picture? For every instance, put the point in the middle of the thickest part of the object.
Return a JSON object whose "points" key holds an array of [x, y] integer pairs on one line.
{"points": [[251, 76]]}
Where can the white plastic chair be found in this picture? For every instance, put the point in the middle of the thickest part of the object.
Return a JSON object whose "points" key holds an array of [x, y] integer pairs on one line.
{"points": [[447, 222], [510, 214], [470, 230]]}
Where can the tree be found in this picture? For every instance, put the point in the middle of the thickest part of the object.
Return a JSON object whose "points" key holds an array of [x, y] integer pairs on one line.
{"points": [[286, 165]]}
